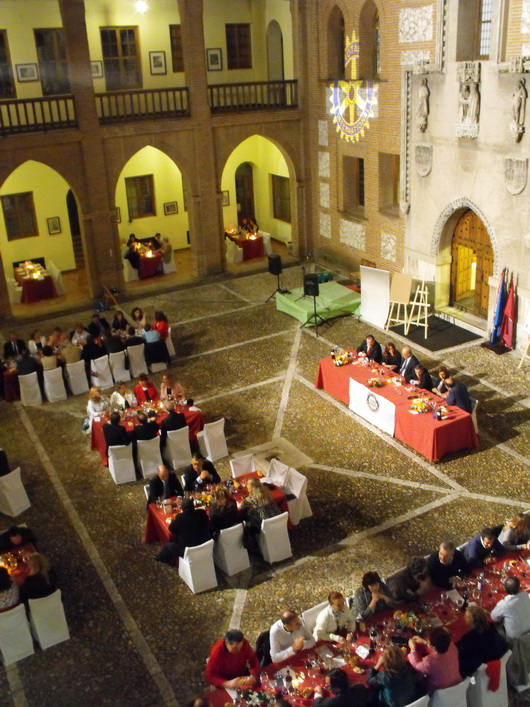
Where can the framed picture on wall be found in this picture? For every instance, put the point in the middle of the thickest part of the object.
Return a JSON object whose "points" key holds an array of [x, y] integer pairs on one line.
{"points": [[226, 198], [27, 72], [214, 59], [171, 207], [54, 225], [118, 214], [157, 63], [96, 67]]}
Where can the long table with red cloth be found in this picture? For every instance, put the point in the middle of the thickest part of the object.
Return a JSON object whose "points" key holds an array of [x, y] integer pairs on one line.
{"points": [[15, 561], [252, 247], [11, 385], [435, 606], [430, 437], [157, 521], [148, 265], [194, 420], [33, 289]]}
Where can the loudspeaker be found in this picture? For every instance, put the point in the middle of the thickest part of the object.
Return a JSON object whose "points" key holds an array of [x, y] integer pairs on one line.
{"points": [[275, 264], [311, 288]]}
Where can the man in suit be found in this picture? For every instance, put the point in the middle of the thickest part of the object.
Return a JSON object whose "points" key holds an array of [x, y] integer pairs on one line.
{"points": [[26, 364], [114, 433], [342, 693], [422, 378], [189, 529], [146, 429], [200, 473], [174, 421], [457, 394], [370, 349], [14, 347], [113, 343], [98, 326], [164, 484], [408, 364]]}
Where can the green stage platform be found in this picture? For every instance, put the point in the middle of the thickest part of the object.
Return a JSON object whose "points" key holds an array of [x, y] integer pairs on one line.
{"points": [[334, 301]]}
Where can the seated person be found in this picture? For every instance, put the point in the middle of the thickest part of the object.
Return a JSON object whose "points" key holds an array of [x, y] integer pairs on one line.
{"points": [[97, 403], [70, 353], [370, 349], [49, 359], [336, 622], [344, 694], [189, 529], [483, 549], [289, 636], [98, 326], [230, 661], [41, 580], [155, 348], [138, 318], [16, 537], [442, 375], [145, 391], [115, 433], [457, 395], [36, 343], [408, 364], [223, 511], [26, 364], [54, 340], [396, 681], [122, 398], [161, 324], [174, 421], [119, 323], [156, 242], [133, 339], [410, 582], [447, 566], [257, 507], [164, 484], [436, 659], [480, 644], [79, 335], [170, 389], [133, 256], [190, 402], [132, 239], [9, 594], [14, 346], [199, 473], [92, 350], [113, 343], [372, 596], [4, 464], [391, 357], [150, 335], [422, 378], [513, 612], [146, 429], [515, 535]]}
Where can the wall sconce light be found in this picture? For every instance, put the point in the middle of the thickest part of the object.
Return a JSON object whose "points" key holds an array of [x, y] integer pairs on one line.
{"points": [[141, 7]]}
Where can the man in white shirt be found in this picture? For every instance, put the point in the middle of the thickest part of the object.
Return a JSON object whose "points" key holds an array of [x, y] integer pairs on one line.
{"points": [[336, 622], [288, 636], [514, 610]]}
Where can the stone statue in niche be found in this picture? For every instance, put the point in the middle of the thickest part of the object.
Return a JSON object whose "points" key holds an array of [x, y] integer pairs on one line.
{"points": [[423, 105], [518, 111], [468, 74], [473, 104]]}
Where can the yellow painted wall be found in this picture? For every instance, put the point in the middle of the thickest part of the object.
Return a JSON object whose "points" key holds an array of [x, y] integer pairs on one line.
{"points": [[266, 159], [49, 196], [168, 187]]}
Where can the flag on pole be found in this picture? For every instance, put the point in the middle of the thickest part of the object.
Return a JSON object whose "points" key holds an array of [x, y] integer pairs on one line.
{"points": [[499, 310], [508, 318]]}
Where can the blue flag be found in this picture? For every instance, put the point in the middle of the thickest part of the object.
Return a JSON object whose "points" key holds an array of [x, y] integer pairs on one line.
{"points": [[499, 309]]}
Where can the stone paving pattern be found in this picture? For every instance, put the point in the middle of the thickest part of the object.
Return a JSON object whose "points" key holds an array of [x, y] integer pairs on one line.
{"points": [[375, 502]]}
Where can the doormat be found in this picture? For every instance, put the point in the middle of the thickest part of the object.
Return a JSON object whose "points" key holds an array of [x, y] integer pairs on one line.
{"points": [[440, 334], [498, 349]]}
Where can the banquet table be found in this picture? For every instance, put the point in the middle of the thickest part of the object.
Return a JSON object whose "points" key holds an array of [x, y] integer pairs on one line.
{"points": [[252, 247], [148, 265], [15, 561], [157, 521], [33, 289], [430, 437], [194, 420], [11, 386]]}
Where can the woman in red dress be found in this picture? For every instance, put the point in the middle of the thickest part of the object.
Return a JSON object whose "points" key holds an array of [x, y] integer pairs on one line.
{"points": [[161, 324]]}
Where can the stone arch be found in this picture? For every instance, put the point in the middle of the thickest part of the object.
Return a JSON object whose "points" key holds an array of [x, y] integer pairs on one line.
{"points": [[369, 40], [336, 32]]}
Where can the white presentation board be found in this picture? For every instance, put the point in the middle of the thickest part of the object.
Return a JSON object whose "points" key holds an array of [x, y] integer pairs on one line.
{"points": [[375, 296], [372, 407]]}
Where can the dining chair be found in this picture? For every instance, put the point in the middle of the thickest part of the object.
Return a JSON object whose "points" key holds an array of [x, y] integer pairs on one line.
{"points": [[197, 568], [229, 553], [178, 450], [298, 506], [103, 376], [15, 637], [455, 696], [47, 620], [117, 366], [137, 362], [149, 457], [170, 345], [13, 497], [212, 441], [54, 385], [29, 389], [277, 474], [478, 694], [309, 616], [274, 539], [76, 377], [121, 463], [241, 466]]}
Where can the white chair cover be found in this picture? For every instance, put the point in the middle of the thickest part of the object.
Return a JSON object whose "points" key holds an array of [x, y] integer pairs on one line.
{"points": [[76, 375], [212, 442], [13, 497], [478, 694], [277, 474], [117, 366], [54, 385], [56, 276], [14, 291], [197, 568], [29, 389], [137, 362], [266, 241], [422, 702], [104, 376], [129, 273], [121, 464], [229, 553], [299, 507], [157, 367], [274, 539], [149, 457], [170, 345], [451, 696], [146, 491], [243, 465], [169, 267], [474, 403], [178, 451], [309, 616], [47, 620], [234, 254], [15, 637]]}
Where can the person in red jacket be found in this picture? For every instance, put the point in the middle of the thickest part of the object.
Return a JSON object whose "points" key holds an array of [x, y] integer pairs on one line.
{"points": [[145, 391], [229, 663], [161, 324]]}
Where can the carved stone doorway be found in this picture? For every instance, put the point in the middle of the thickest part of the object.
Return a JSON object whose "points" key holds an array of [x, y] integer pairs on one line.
{"points": [[471, 265]]}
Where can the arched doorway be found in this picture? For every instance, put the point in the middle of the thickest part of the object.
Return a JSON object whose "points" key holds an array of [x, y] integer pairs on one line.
{"points": [[471, 265], [274, 52], [244, 191]]}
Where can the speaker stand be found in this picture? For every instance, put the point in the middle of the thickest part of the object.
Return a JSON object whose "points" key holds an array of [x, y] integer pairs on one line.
{"points": [[278, 289], [315, 318]]}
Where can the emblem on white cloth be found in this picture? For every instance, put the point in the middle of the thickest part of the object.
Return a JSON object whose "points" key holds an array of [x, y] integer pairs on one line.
{"points": [[372, 402]]}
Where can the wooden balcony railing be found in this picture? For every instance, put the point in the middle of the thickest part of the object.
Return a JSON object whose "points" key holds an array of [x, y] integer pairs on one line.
{"points": [[124, 106], [30, 115], [258, 95]]}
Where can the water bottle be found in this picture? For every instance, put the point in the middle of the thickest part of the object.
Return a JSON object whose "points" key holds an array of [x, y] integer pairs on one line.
{"points": [[480, 583], [278, 678]]}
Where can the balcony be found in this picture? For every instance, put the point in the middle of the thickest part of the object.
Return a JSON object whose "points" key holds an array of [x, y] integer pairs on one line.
{"points": [[259, 95], [125, 106], [31, 115]]}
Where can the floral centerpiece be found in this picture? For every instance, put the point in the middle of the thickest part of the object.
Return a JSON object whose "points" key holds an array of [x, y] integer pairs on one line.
{"points": [[419, 405], [342, 358], [258, 698], [375, 382]]}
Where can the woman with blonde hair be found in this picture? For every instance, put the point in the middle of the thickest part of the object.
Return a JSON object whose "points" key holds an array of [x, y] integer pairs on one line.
{"points": [[258, 505], [41, 580], [516, 533], [97, 403], [396, 681], [481, 643], [170, 389]]}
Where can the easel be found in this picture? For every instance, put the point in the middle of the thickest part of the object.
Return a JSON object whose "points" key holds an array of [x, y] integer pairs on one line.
{"points": [[109, 296], [526, 354], [400, 296], [421, 302]]}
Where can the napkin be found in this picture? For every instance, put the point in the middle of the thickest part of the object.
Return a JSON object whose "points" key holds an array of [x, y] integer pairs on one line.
{"points": [[363, 652], [455, 597]]}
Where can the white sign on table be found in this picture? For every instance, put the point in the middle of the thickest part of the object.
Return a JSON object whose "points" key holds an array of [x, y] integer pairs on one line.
{"points": [[372, 407]]}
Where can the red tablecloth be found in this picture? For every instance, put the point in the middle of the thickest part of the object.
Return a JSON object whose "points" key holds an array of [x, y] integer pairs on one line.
{"points": [[11, 386], [431, 438], [252, 247], [34, 290], [149, 266], [194, 419], [157, 525], [21, 571]]}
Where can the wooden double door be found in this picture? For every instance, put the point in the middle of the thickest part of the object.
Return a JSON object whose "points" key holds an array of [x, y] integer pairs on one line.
{"points": [[471, 265]]}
